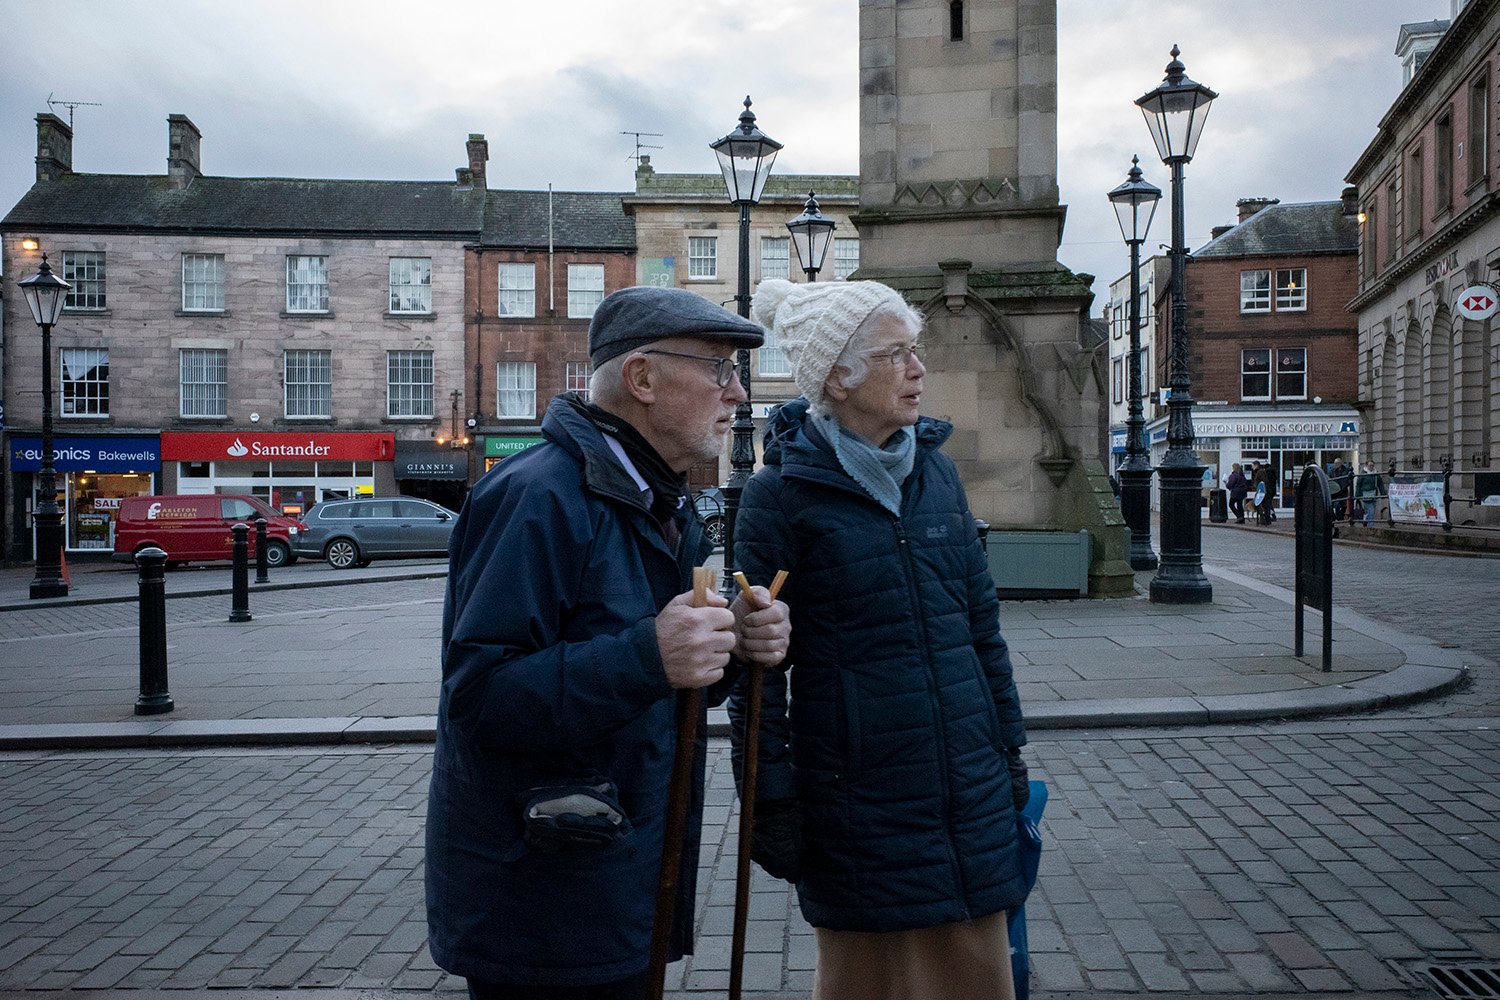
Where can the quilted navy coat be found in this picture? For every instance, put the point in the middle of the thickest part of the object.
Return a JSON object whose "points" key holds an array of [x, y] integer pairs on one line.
{"points": [[552, 676], [902, 699]]}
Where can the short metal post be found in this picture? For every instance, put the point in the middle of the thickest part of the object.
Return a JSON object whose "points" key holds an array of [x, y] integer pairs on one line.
{"points": [[239, 609], [261, 566], [154, 698]]}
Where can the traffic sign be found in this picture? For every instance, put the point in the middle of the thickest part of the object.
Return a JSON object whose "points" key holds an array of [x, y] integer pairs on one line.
{"points": [[1478, 302]]}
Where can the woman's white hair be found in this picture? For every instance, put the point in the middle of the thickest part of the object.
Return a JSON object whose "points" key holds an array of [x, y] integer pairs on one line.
{"points": [[853, 365]]}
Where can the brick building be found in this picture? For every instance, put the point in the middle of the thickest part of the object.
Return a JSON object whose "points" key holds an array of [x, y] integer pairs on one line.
{"points": [[1274, 349], [1429, 190], [294, 339], [544, 262]]}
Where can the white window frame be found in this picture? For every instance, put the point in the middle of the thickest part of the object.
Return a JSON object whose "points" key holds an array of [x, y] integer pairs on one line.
{"points": [[516, 298], [306, 283], [775, 257], [1266, 373], [576, 377], [411, 285], [408, 384], [1118, 380], [212, 362], [1255, 291], [1291, 289], [585, 289], [703, 258], [84, 270], [771, 359], [1303, 373], [202, 282], [515, 390], [845, 257], [79, 368], [307, 384]]}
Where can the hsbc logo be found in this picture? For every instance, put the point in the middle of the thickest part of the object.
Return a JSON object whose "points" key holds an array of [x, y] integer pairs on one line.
{"points": [[1478, 302]]}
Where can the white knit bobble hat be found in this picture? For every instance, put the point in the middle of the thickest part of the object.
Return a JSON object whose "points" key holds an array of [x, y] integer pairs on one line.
{"points": [[813, 323]]}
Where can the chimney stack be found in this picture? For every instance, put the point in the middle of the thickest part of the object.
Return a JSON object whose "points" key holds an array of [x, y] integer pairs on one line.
{"points": [[1218, 231], [54, 148], [479, 153], [182, 152], [1249, 206], [1350, 198]]}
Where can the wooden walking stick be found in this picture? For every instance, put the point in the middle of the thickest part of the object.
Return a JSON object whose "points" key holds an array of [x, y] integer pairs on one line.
{"points": [[689, 706], [750, 774]]}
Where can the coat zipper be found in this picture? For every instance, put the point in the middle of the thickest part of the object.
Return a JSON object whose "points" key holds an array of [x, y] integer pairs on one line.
{"points": [[958, 872]]}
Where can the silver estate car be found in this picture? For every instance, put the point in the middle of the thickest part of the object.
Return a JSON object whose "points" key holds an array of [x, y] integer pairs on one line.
{"points": [[350, 533]]}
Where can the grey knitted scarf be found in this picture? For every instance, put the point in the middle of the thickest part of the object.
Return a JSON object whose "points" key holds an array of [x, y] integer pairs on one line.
{"points": [[879, 471]]}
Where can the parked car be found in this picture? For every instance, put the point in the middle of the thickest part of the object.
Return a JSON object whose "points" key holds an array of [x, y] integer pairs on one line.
{"points": [[709, 503], [348, 533], [196, 527]]}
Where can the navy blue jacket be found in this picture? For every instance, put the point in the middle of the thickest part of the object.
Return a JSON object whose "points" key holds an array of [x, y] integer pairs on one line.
{"points": [[552, 676], [902, 699]]}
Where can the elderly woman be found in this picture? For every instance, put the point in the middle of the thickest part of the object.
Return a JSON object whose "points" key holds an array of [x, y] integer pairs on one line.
{"points": [[889, 792]]}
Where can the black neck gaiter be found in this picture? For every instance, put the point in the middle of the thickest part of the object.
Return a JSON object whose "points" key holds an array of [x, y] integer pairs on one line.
{"points": [[667, 487]]}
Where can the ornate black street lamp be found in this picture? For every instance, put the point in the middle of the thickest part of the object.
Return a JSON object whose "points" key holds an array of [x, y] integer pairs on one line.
{"points": [[745, 157], [812, 234], [1175, 112], [45, 293], [1135, 204]]}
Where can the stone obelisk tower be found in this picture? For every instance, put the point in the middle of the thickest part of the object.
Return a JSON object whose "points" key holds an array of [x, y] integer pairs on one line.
{"points": [[959, 210]]}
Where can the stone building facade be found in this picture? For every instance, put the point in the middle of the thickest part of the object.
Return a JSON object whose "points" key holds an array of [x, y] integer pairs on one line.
{"points": [[293, 339], [1429, 195]]}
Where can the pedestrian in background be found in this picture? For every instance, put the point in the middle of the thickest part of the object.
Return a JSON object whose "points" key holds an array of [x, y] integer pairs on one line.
{"points": [[1343, 490], [1367, 487], [1238, 486], [889, 793], [568, 632]]}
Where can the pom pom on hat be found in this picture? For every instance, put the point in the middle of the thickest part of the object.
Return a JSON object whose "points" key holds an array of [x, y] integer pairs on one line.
{"points": [[815, 322]]}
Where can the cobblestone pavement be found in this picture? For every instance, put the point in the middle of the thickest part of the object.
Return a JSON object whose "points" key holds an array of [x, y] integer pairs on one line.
{"points": [[1308, 859]]}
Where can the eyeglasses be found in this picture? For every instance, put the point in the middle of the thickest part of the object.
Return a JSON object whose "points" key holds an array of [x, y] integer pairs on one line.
{"points": [[900, 357], [724, 368]]}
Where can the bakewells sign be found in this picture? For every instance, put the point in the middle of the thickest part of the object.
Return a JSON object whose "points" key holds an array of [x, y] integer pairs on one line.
{"points": [[258, 446]]}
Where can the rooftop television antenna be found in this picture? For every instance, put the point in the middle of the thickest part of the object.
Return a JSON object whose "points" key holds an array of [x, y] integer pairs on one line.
{"points": [[70, 105], [636, 156]]}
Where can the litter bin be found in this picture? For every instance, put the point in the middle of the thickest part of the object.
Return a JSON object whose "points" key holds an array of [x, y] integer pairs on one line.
{"points": [[1218, 506]]}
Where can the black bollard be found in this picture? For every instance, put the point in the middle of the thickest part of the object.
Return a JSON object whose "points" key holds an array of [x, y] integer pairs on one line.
{"points": [[261, 567], [153, 699], [239, 608]]}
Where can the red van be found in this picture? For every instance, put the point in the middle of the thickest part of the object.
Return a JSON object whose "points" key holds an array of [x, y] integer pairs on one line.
{"points": [[196, 527]]}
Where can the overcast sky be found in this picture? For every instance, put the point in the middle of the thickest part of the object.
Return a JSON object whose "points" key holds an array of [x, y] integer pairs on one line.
{"points": [[375, 89]]}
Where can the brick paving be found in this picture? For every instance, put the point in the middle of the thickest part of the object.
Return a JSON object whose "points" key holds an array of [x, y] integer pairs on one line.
{"points": [[1313, 857]]}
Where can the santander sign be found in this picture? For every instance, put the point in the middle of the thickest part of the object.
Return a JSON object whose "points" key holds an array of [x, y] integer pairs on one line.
{"points": [[239, 445]]}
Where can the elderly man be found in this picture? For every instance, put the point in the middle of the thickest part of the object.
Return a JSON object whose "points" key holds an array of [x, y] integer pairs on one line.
{"points": [[568, 632]]}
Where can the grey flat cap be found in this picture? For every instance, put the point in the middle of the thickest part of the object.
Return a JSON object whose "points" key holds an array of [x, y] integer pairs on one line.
{"points": [[634, 317]]}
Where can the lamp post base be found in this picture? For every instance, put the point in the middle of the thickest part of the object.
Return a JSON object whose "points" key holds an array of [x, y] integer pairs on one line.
{"points": [[1179, 578], [48, 588], [1135, 505]]}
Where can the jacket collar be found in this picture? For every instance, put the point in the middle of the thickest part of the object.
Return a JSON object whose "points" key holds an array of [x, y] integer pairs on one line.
{"points": [[570, 430], [793, 443]]}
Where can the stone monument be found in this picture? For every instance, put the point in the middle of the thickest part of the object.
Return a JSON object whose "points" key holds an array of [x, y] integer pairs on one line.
{"points": [[959, 210]]}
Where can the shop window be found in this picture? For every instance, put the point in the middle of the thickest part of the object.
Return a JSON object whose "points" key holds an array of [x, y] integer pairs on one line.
{"points": [[577, 377], [1255, 291], [84, 271], [85, 382], [1291, 373], [703, 257], [204, 382], [845, 257], [517, 290], [202, 282], [515, 389], [1291, 289], [411, 284], [1255, 373], [585, 289], [306, 284], [309, 383], [775, 257], [408, 383]]}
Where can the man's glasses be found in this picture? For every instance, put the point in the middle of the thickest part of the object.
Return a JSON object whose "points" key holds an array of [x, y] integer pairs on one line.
{"points": [[900, 357], [724, 368]]}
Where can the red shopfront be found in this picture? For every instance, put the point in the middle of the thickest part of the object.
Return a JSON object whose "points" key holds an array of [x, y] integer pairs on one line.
{"points": [[291, 471]]}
